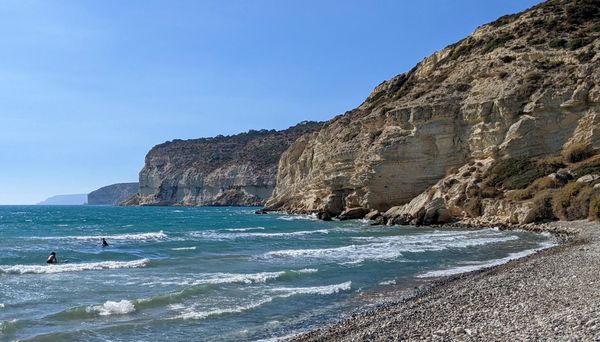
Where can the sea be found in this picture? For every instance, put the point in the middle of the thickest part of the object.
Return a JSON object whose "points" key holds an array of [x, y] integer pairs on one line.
{"points": [[215, 273]]}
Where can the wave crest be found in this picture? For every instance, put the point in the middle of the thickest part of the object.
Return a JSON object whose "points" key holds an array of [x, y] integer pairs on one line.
{"points": [[112, 308], [129, 236], [219, 236], [89, 266]]}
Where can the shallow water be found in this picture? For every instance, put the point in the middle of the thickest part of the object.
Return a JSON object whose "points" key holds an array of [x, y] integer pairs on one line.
{"points": [[218, 274]]}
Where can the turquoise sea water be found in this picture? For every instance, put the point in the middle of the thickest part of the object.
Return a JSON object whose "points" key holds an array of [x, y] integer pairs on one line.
{"points": [[214, 274]]}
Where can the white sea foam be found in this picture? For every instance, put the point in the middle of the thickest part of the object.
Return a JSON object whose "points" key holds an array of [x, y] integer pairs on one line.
{"points": [[1, 305], [388, 282], [280, 338], [485, 264], [321, 290], [216, 235], [184, 248], [311, 217], [283, 292], [352, 253], [58, 268], [243, 229], [131, 236], [392, 247], [298, 233], [178, 211], [112, 308], [306, 270], [224, 278], [191, 313]]}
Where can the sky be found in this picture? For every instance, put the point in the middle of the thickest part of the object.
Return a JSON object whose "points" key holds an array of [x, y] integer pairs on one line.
{"points": [[88, 87]]}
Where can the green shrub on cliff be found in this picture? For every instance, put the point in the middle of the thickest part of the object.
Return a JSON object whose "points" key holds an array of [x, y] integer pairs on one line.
{"points": [[587, 168], [572, 202], [577, 152], [542, 206], [519, 173], [535, 187], [594, 212]]}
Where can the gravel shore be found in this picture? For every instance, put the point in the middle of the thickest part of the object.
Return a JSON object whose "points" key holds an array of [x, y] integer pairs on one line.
{"points": [[553, 295]]}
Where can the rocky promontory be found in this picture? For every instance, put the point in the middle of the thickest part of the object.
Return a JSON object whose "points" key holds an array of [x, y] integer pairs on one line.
{"points": [[224, 170], [516, 92], [112, 194]]}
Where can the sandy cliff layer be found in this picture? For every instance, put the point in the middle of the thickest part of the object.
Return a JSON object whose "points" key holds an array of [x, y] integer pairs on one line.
{"points": [[526, 85], [225, 170]]}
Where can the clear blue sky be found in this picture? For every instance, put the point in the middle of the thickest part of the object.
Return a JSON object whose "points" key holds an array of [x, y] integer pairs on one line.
{"points": [[88, 87]]}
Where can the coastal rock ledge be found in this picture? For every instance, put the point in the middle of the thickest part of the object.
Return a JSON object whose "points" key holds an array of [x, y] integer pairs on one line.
{"points": [[525, 86]]}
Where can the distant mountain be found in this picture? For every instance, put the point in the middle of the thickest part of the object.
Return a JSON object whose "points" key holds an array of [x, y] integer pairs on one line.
{"points": [[73, 199], [112, 194]]}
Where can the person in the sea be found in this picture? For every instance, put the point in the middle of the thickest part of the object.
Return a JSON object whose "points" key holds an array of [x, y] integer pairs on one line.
{"points": [[104, 243], [52, 258]]}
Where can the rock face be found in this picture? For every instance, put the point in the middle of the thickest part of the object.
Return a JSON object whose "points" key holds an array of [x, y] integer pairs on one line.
{"points": [[525, 85], [112, 194], [224, 170]]}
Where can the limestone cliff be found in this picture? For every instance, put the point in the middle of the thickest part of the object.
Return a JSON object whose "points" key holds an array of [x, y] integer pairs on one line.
{"points": [[525, 85], [112, 194], [224, 170]]}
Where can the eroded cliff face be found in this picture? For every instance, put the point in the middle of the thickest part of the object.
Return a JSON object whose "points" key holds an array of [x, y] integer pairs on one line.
{"points": [[225, 170], [525, 85]]}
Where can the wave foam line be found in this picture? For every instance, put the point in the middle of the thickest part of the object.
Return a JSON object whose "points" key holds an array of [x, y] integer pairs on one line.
{"points": [[486, 264], [215, 235], [223, 278], [132, 236], [243, 229], [184, 248], [306, 270], [321, 290], [387, 248], [45, 269], [311, 217], [190, 313]]}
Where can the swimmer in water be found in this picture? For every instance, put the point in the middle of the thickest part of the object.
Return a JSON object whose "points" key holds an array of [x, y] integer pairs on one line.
{"points": [[52, 258]]}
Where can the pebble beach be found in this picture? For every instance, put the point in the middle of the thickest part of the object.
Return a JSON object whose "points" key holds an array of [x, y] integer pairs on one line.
{"points": [[553, 295]]}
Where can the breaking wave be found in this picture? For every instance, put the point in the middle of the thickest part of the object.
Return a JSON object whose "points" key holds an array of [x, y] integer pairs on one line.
{"points": [[184, 248], [131, 236], [42, 269], [392, 247], [216, 235], [281, 292], [243, 229], [321, 290], [312, 217], [112, 308]]}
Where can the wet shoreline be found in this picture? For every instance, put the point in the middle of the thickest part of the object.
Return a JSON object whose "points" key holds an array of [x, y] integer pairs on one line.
{"points": [[526, 298]]}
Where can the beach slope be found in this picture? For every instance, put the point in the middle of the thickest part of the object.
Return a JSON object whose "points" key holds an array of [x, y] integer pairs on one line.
{"points": [[553, 295]]}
